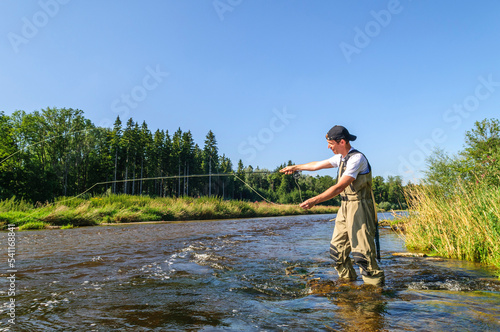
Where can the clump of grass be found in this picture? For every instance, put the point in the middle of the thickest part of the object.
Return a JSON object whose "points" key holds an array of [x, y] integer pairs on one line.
{"points": [[68, 226], [17, 218], [80, 215], [13, 204], [463, 224], [33, 225]]}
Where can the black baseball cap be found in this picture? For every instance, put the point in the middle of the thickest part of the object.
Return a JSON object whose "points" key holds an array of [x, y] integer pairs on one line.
{"points": [[338, 133]]}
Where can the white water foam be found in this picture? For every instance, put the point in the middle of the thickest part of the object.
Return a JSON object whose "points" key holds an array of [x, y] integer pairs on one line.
{"points": [[448, 284]]}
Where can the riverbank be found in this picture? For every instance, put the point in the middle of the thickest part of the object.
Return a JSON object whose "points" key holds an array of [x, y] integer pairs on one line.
{"points": [[112, 209], [463, 223]]}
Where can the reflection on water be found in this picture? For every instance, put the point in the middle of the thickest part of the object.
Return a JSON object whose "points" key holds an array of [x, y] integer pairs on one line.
{"points": [[252, 274]]}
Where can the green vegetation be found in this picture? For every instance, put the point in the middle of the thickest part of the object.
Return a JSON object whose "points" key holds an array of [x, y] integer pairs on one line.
{"points": [[463, 223], [456, 212], [389, 195], [69, 213], [33, 225], [68, 226]]}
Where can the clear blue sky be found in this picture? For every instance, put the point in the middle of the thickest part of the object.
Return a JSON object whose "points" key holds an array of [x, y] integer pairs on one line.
{"points": [[269, 78]]}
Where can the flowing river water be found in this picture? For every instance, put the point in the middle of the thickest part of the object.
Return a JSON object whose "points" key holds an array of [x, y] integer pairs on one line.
{"points": [[262, 274]]}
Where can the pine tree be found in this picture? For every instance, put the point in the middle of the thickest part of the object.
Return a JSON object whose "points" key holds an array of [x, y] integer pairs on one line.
{"points": [[211, 158], [240, 173], [128, 144], [116, 137], [145, 146]]}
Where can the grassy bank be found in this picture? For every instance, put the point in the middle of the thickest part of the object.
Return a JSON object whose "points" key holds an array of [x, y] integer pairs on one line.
{"points": [[125, 209], [463, 224]]}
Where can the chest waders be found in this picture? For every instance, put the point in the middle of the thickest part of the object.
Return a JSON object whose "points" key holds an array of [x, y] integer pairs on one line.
{"points": [[356, 230]]}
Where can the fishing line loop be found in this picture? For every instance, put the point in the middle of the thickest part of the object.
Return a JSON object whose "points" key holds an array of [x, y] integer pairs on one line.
{"points": [[296, 175]]}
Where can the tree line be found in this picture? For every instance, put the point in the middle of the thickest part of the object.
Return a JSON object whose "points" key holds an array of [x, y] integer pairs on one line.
{"points": [[477, 162], [58, 152]]}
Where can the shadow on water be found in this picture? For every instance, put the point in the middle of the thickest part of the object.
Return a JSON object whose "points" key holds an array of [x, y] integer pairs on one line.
{"points": [[260, 274]]}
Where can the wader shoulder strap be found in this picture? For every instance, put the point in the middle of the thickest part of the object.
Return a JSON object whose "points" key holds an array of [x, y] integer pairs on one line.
{"points": [[353, 152], [343, 163]]}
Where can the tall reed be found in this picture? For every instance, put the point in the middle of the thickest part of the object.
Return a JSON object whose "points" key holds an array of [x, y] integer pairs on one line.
{"points": [[461, 223]]}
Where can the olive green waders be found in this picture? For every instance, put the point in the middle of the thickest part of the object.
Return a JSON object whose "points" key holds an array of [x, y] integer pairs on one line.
{"points": [[355, 228]]}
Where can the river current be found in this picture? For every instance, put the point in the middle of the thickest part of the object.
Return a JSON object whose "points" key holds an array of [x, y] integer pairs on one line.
{"points": [[261, 274]]}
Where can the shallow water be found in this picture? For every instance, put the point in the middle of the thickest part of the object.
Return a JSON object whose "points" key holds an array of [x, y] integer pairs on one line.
{"points": [[263, 274]]}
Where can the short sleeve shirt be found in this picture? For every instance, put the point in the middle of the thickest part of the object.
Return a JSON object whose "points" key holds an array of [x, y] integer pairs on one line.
{"points": [[356, 164]]}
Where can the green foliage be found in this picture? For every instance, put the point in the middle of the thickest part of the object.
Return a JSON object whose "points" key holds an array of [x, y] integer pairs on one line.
{"points": [[478, 162], [385, 206], [455, 212], [33, 225], [13, 204], [18, 217], [462, 223]]}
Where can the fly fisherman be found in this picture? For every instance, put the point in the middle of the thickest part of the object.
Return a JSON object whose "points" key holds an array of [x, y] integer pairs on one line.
{"points": [[356, 222]]}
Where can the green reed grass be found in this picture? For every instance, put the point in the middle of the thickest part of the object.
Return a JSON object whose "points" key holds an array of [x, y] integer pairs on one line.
{"points": [[126, 209], [463, 223], [68, 226], [14, 204], [33, 225]]}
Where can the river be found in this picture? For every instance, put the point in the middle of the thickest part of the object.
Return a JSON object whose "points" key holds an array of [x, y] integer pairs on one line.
{"points": [[261, 274]]}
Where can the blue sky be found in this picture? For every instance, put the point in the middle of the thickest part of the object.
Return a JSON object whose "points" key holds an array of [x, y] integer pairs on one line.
{"points": [[269, 78]]}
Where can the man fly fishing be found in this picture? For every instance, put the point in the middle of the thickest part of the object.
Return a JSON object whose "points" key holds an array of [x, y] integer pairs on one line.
{"points": [[356, 224]]}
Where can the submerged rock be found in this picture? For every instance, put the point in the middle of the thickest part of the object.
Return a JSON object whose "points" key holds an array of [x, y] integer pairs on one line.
{"points": [[341, 287]]}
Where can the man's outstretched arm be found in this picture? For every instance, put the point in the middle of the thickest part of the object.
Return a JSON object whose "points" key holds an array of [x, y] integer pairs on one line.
{"points": [[312, 166], [329, 193]]}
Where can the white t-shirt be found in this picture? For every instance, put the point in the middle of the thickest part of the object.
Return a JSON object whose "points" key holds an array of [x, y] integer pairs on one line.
{"points": [[356, 164]]}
